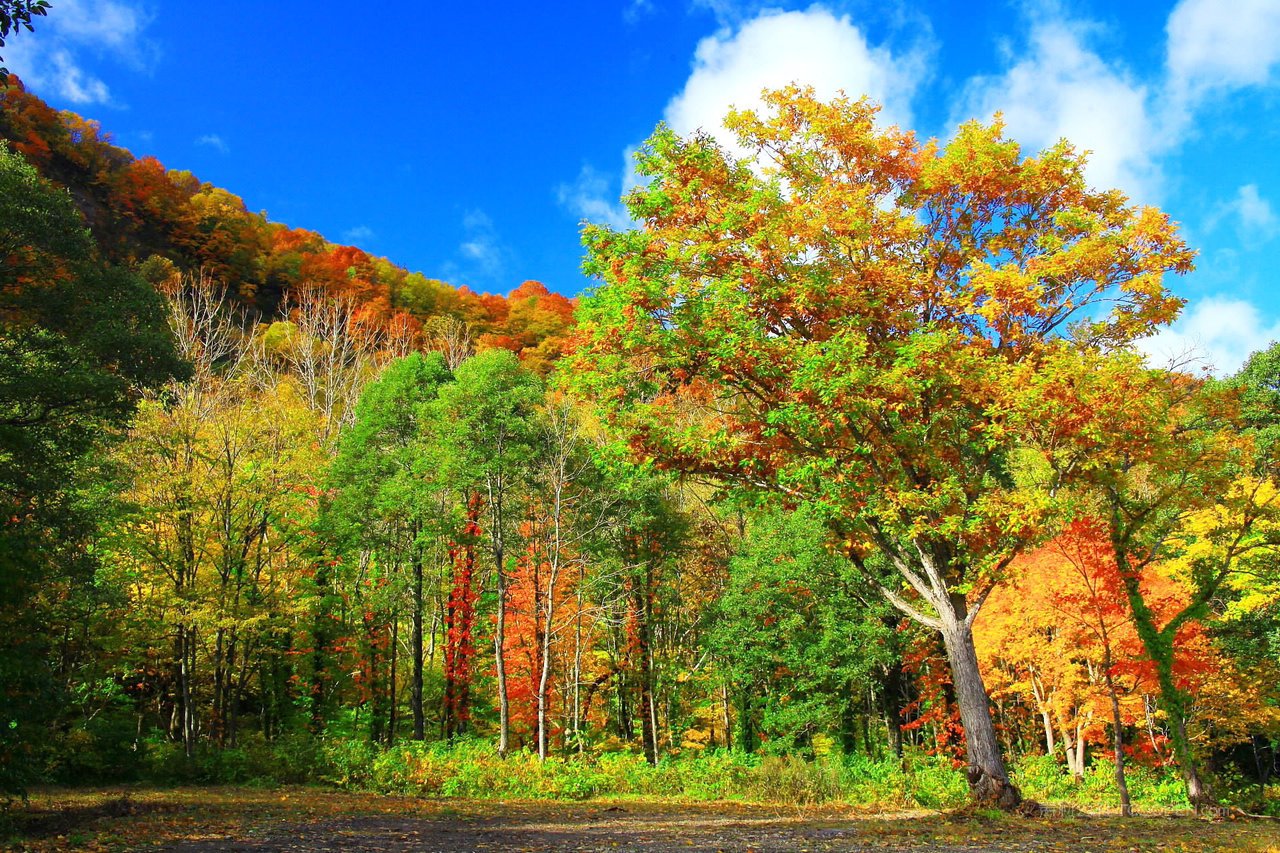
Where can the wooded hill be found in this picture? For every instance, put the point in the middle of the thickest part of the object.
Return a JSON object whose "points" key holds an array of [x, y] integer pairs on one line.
{"points": [[165, 220]]}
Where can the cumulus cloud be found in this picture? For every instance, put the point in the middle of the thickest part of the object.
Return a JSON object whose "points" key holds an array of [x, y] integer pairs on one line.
{"points": [[1255, 219], [1215, 47], [636, 10], [1218, 333], [769, 49], [812, 47], [1059, 87], [731, 12], [595, 196], [55, 59]]}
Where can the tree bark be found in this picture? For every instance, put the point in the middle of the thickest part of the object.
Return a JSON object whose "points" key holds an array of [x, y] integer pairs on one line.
{"points": [[1117, 741], [891, 706], [186, 666], [988, 778], [642, 647], [392, 695], [497, 540], [1050, 745]]}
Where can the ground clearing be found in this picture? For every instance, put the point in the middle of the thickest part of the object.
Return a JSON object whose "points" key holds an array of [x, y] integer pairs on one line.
{"points": [[247, 819]]}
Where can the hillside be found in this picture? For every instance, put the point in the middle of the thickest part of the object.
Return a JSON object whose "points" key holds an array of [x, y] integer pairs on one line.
{"points": [[145, 215]]}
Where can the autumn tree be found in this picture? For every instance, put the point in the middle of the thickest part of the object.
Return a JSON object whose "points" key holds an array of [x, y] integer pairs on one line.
{"points": [[1177, 481], [332, 350], [570, 511], [1060, 632], [851, 312], [221, 475]]}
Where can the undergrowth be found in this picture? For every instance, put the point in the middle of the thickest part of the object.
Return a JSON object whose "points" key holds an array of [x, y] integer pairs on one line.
{"points": [[473, 769]]}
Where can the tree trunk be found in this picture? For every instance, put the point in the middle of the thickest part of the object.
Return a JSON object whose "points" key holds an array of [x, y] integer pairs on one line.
{"points": [[746, 731], [725, 709], [460, 624], [419, 720], [1049, 743], [544, 675], [891, 706], [1197, 791], [988, 778], [642, 648], [1117, 742], [320, 621], [497, 540], [393, 704], [1080, 748], [577, 662], [186, 665], [376, 718], [217, 727]]}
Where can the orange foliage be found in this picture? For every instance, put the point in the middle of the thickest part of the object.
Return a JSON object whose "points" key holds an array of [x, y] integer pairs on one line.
{"points": [[1048, 638]]}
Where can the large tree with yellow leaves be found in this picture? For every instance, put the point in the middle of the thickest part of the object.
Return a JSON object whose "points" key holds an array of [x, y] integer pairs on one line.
{"points": [[854, 319]]}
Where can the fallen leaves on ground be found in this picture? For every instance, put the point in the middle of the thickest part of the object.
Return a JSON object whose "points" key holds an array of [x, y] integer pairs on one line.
{"points": [[250, 819]]}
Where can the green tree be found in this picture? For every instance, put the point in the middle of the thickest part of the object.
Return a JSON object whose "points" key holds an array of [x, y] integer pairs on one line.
{"points": [[638, 542], [486, 429], [797, 635], [15, 16], [388, 496], [78, 341]]}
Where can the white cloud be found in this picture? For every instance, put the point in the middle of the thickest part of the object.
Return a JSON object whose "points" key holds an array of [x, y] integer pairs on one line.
{"points": [[1255, 217], [730, 12], [54, 59], [481, 256], [731, 68], [595, 198], [72, 82], [214, 141], [1060, 88], [636, 10], [111, 24], [358, 234], [1216, 46], [1218, 332], [813, 47]]}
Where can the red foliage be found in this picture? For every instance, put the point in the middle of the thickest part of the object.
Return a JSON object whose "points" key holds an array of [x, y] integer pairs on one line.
{"points": [[459, 648], [934, 708]]}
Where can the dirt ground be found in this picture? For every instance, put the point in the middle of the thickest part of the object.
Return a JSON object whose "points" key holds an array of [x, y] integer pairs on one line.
{"points": [[296, 819]]}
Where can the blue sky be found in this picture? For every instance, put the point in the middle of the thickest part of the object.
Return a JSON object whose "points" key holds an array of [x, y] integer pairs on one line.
{"points": [[469, 142]]}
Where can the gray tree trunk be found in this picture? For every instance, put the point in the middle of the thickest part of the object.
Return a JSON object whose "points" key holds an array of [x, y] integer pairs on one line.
{"points": [[988, 778]]}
